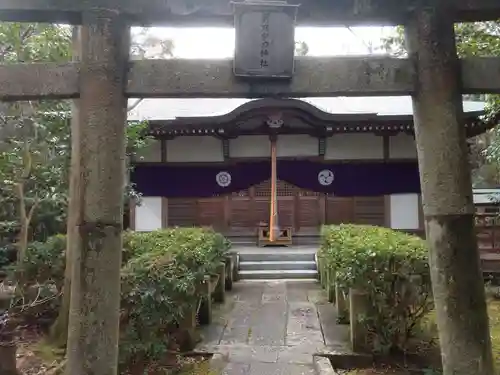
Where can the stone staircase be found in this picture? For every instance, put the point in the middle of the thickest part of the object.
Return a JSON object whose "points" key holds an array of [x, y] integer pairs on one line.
{"points": [[270, 263], [303, 240]]}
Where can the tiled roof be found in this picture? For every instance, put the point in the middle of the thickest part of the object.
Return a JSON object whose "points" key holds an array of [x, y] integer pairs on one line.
{"points": [[169, 109]]}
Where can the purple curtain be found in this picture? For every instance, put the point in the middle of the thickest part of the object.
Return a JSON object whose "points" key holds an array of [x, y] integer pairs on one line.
{"points": [[352, 179], [198, 181], [340, 179]]}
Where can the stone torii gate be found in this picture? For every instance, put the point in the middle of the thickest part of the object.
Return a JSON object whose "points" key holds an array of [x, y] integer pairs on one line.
{"points": [[104, 78]]}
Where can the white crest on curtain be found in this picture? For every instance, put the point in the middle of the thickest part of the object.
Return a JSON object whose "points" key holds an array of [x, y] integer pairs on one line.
{"points": [[325, 177], [223, 179]]}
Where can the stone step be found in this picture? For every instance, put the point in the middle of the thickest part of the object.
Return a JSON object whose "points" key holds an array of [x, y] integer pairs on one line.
{"points": [[278, 265], [269, 255], [278, 274], [297, 240]]}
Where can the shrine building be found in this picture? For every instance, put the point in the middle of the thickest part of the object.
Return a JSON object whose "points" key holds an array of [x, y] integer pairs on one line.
{"points": [[220, 163]]}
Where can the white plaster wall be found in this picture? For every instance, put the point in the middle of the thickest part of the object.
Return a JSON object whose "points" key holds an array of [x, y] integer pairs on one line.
{"points": [[151, 153], [404, 211], [354, 146], [148, 214], [250, 146], [297, 145], [194, 149], [402, 146]]}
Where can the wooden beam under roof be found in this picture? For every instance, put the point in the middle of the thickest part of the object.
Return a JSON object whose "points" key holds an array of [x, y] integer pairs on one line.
{"points": [[180, 78], [219, 12]]}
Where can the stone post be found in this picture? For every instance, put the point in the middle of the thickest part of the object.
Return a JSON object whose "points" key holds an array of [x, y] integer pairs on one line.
{"points": [[447, 193], [341, 305], [95, 290], [188, 328], [8, 358], [236, 265], [5, 301], [358, 309], [8, 347], [205, 312], [229, 272], [324, 276], [330, 285], [220, 289]]}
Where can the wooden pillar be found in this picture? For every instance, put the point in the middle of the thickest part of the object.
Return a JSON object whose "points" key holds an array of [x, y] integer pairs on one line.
{"points": [[95, 289], [447, 194], [164, 212], [273, 212], [132, 213]]}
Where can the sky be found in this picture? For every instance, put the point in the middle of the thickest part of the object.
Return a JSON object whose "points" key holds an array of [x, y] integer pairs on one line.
{"points": [[219, 42], [214, 43]]}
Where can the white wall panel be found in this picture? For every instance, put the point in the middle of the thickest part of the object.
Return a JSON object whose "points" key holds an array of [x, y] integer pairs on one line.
{"points": [[297, 145], [151, 153], [354, 147], [250, 146], [404, 211], [194, 149], [148, 214], [402, 146]]}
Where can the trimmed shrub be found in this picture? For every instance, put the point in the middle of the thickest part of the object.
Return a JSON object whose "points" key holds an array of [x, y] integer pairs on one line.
{"points": [[392, 268], [160, 285], [162, 272], [39, 279], [44, 262]]}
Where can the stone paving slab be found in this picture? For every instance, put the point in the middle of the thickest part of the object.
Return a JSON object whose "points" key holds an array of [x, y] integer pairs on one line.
{"points": [[280, 369], [336, 336], [303, 327], [274, 328]]}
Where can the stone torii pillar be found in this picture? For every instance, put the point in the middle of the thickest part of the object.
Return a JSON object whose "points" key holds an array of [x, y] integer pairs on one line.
{"points": [[457, 279], [95, 287]]}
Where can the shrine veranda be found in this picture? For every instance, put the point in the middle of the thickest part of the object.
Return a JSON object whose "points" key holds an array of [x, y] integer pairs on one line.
{"points": [[333, 166]]}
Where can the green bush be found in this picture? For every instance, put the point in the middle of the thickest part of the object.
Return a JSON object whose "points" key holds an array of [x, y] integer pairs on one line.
{"points": [[161, 272], [392, 268], [8, 254], [44, 262], [160, 284], [39, 278]]}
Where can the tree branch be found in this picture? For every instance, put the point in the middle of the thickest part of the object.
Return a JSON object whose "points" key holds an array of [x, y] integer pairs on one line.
{"points": [[26, 34], [22, 203]]}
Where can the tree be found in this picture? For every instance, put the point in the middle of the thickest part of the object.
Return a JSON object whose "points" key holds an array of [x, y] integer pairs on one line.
{"points": [[35, 147], [473, 40], [33, 141], [301, 48], [148, 46], [32, 167], [467, 325], [144, 46]]}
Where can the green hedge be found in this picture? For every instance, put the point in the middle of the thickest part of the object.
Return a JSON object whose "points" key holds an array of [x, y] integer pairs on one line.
{"points": [[40, 278], [45, 262], [160, 284], [392, 268], [160, 274]]}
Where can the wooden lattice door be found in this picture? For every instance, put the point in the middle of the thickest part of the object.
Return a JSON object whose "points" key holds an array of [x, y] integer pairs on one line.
{"points": [[241, 211], [310, 210], [285, 195]]}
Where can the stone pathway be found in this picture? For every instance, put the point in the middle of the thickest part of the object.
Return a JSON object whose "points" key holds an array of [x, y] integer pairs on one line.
{"points": [[273, 328]]}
